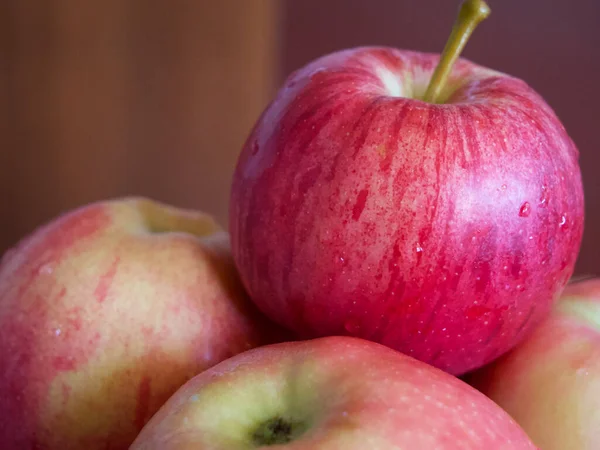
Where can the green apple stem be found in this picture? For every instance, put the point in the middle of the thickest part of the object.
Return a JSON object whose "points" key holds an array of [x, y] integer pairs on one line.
{"points": [[472, 12]]}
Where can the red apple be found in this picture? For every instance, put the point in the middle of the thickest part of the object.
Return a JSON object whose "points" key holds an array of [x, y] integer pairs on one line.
{"points": [[550, 383], [104, 313], [445, 230], [329, 393]]}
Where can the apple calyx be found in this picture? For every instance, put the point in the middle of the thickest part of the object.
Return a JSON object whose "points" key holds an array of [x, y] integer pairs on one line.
{"points": [[276, 431], [471, 14]]}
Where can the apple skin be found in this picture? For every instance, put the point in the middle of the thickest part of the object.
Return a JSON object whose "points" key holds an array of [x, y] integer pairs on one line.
{"points": [[338, 392], [550, 383], [445, 231], [104, 312]]}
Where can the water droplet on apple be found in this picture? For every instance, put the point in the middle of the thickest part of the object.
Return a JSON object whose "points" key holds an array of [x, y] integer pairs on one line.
{"points": [[342, 260], [563, 222], [419, 248], [544, 197], [525, 210], [503, 187], [352, 326], [46, 269], [57, 332]]}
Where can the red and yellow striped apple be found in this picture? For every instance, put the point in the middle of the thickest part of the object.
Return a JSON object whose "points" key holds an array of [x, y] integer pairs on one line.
{"points": [[104, 313], [328, 394], [444, 227], [550, 384]]}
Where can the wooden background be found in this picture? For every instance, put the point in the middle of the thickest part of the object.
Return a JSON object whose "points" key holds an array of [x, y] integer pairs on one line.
{"points": [[107, 98], [117, 97]]}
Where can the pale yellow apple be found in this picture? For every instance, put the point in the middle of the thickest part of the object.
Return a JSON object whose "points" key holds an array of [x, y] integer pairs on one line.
{"points": [[105, 312], [551, 382], [331, 393]]}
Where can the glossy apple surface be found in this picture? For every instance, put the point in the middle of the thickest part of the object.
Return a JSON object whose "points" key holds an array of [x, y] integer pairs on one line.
{"points": [[551, 382], [104, 313], [329, 393], [445, 230]]}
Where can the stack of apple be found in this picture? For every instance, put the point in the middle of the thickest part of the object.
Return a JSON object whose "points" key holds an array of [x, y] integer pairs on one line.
{"points": [[398, 220]]}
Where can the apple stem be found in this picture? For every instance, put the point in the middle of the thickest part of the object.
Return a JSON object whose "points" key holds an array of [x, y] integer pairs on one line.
{"points": [[472, 12]]}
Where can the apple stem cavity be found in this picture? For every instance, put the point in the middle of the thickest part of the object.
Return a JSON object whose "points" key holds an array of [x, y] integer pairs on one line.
{"points": [[471, 14]]}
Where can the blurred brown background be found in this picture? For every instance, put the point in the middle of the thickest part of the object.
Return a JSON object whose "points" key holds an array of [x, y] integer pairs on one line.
{"points": [[118, 97]]}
